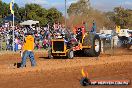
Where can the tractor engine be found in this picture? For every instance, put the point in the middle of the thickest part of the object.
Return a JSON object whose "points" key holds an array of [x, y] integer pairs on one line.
{"points": [[58, 45]]}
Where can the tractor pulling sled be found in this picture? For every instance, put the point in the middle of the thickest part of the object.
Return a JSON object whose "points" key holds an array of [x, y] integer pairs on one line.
{"points": [[82, 42]]}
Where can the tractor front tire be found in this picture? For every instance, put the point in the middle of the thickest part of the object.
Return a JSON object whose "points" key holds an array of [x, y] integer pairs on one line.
{"points": [[70, 54]]}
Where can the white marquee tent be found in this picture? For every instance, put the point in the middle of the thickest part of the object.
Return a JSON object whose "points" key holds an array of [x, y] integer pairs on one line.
{"points": [[29, 22]]}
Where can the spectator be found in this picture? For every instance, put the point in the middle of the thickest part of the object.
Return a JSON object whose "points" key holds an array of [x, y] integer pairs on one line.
{"points": [[28, 48], [16, 43]]}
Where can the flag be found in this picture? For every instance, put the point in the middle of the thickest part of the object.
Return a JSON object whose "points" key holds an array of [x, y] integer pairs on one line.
{"points": [[118, 28], [12, 6]]}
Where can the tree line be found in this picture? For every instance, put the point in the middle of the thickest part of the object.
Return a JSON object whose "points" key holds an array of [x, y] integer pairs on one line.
{"points": [[32, 12], [121, 16], [79, 12]]}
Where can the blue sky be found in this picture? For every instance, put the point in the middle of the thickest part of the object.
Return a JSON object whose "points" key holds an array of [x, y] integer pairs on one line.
{"points": [[103, 5]]}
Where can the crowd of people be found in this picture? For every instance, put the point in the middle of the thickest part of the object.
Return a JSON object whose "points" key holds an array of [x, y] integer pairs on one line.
{"points": [[42, 35]]}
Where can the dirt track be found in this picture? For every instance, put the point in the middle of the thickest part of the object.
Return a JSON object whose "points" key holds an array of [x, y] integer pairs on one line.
{"points": [[64, 73]]}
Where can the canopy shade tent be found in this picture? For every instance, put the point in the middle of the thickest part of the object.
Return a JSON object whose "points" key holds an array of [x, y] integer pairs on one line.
{"points": [[29, 22], [10, 18]]}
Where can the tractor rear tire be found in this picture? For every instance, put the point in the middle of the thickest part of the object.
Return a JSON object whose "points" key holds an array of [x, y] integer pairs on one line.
{"points": [[70, 54], [95, 49]]}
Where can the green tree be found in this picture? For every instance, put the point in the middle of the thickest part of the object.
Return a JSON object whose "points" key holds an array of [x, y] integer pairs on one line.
{"points": [[0, 8], [32, 12], [78, 8], [36, 12], [53, 15], [4, 10], [130, 18], [22, 13], [16, 10], [121, 16]]}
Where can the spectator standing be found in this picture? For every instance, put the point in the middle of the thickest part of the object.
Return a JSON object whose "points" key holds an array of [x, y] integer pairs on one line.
{"points": [[16, 44], [28, 48]]}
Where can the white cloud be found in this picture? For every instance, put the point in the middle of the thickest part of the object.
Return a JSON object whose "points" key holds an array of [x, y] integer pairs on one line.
{"points": [[128, 3], [40, 2], [62, 4], [71, 1], [50, 4], [105, 5], [102, 6]]}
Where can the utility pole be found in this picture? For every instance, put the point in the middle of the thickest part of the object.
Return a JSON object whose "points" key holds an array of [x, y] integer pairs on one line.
{"points": [[65, 14]]}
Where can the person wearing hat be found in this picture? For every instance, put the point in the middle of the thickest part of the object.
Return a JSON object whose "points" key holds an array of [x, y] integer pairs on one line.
{"points": [[28, 48]]}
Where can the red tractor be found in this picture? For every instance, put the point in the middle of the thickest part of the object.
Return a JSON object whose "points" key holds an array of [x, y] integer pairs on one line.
{"points": [[89, 42]]}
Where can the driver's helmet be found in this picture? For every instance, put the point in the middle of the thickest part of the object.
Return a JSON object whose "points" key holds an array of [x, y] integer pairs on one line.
{"points": [[59, 35], [79, 29]]}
